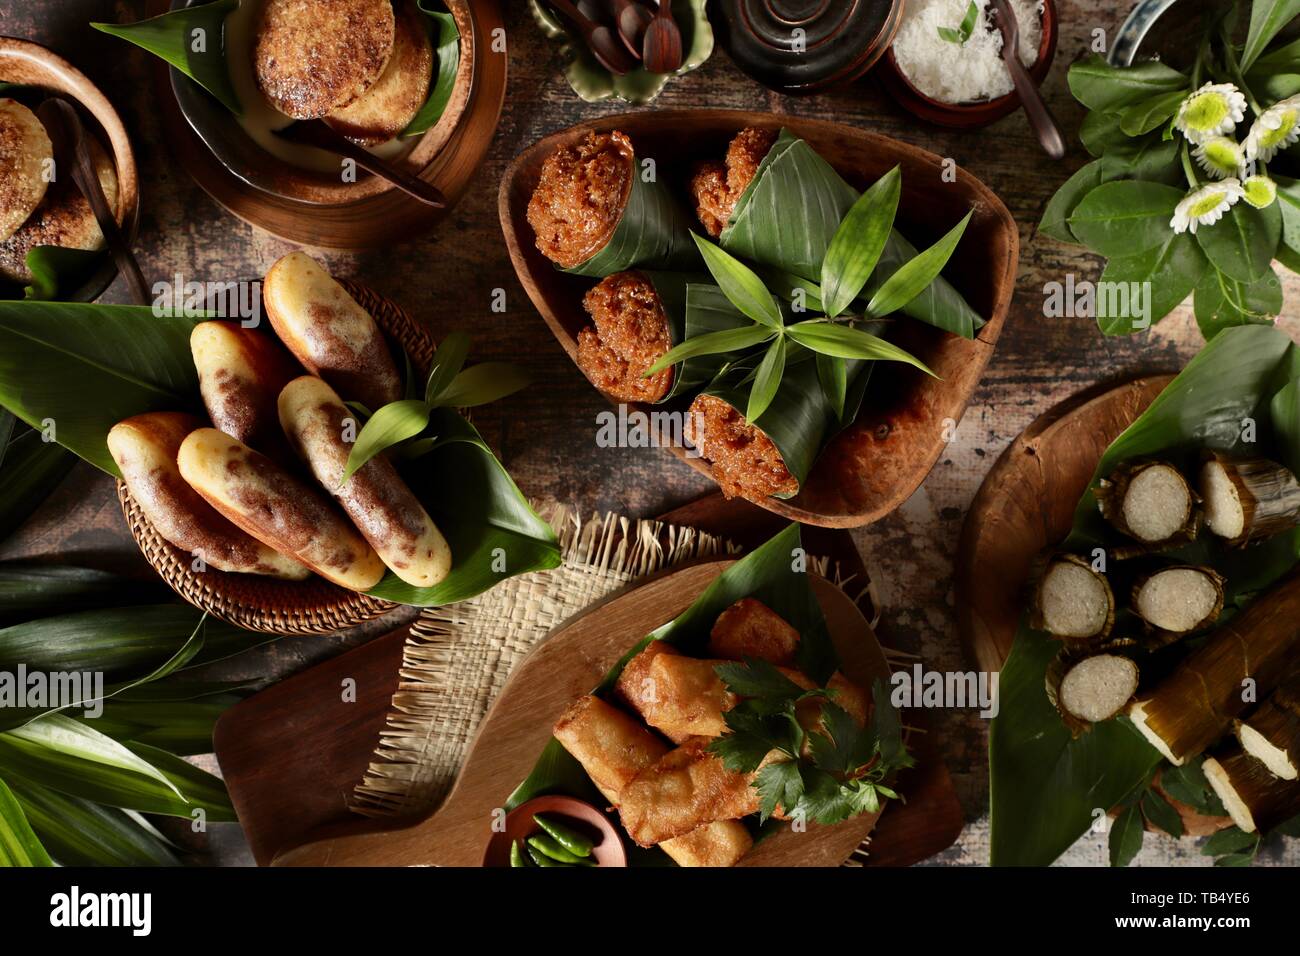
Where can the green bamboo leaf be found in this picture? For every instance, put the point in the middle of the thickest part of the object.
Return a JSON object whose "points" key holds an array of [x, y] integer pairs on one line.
{"points": [[484, 383], [714, 343], [767, 379], [448, 360], [832, 372], [858, 243], [844, 342], [804, 295], [390, 425], [190, 39], [1267, 18], [29, 590], [19, 845], [80, 833], [200, 789], [181, 727], [914, 277], [1126, 836], [740, 284], [446, 45], [30, 470]]}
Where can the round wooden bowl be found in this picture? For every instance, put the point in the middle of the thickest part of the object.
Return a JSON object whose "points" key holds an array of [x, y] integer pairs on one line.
{"points": [[1025, 506], [265, 604], [30, 64], [609, 850], [967, 115], [303, 207], [873, 466]]}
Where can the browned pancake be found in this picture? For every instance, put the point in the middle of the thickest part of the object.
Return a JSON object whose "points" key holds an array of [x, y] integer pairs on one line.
{"points": [[25, 153], [316, 56], [389, 105]]}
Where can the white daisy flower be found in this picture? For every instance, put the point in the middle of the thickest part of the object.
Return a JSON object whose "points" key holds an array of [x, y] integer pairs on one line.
{"points": [[1275, 130], [1206, 206], [1214, 109], [1259, 191], [1220, 156]]}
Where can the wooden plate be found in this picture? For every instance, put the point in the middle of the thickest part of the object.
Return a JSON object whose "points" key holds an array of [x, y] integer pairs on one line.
{"points": [[876, 464], [367, 214], [266, 604], [566, 665], [30, 64]]}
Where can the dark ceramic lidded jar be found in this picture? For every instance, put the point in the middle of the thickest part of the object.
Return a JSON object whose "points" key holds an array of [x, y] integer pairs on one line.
{"points": [[802, 46]]}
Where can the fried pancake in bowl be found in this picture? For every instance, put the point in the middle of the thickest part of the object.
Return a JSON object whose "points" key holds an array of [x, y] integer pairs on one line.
{"points": [[25, 152], [312, 57], [391, 104], [64, 218]]}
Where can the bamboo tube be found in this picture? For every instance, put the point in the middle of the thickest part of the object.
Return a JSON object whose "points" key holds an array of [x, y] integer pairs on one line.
{"points": [[1072, 601], [1177, 600], [1150, 502], [1254, 798], [1086, 687], [1196, 705], [1248, 499], [1271, 733]]}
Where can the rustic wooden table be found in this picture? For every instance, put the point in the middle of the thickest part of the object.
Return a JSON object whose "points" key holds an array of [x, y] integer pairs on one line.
{"points": [[547, 439]]}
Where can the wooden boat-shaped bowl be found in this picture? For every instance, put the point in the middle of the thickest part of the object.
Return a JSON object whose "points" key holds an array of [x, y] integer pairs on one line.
{"points": [[566, 665], [265, 604], [876, 464]]}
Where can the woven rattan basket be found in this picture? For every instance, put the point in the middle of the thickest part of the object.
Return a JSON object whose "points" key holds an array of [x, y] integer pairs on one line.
{"points": [[265, 604]]}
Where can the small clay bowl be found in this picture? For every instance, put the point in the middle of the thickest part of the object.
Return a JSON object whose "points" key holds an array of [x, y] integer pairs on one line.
{"points": [[248, 162], [30, 64], [578, 814], [967, 115]]}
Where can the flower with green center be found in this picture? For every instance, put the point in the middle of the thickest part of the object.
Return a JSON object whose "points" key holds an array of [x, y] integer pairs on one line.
{"points": [[1206, 206], [1259, 191], [1220, 156], [1213, 110], [1276, 129]]}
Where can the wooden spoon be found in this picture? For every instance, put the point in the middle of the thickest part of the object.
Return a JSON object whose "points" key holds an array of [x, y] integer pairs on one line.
{"points": [[68, 138], [663, 41], [599, 38], [632, 19], [1040, 117], [318, 134]]}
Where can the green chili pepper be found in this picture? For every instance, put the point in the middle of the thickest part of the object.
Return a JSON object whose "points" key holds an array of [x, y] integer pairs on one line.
{"points": [[541, 859], [543, 843], [571, 840], [517, 856]]}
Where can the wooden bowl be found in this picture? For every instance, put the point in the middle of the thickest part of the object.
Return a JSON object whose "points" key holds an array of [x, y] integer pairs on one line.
{"points": [[296, 204], [967, 115], [30, 64], [873, 466], [609, 850], [566, 665], [265, 604]]}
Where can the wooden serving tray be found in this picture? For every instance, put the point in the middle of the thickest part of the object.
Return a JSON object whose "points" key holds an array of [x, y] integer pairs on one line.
{"points": [[292, 754]]}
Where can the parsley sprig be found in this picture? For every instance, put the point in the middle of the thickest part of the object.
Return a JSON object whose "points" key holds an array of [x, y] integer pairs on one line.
{"points": [[844, 771]]}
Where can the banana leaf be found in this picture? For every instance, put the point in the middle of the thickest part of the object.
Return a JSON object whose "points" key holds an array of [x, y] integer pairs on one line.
{"points": [[80, 833], [705, 310], [19, 845], [86, 367], [30, 470], [445, 37], [1044, 784], [29, 590], [56, 272], [767, 574], [653, 232], [181, 727], [788, 215]]}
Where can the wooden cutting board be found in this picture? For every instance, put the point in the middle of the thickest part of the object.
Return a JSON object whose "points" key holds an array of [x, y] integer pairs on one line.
{"points": [[292, 754]]}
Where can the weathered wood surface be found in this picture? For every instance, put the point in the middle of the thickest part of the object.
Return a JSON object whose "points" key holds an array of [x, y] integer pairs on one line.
{"points": [[547, 438]]}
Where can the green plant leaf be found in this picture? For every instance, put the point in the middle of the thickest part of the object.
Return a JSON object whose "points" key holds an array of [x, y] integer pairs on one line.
{"points": [[1229, 840], [181, 727], [859, 241], [767, 379], [1100, 132], [1222, 302], [915, 276], [1281, 59], [740, 284], [446, 47], [844, 342], [484, 383], [30, 470], [1105, 88], [389, 426], [190, 39], [1150, 159], [80, 833], [448, 361], [201, 790], [1241, 244], [833, 376], [84, 367], [1161, 277], [19, 845], [1126, 837], [1267, 18], [1125, 218], [714, 343], [30, 589], [1162, 814], [1144, 116], [57, 272], [1187, 784]]}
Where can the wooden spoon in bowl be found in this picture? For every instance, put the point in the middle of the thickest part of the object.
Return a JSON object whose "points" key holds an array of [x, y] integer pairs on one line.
{"points": [[599, 38], [1040, 117], [632, 20], [68, 137], [318, 134], [662, 50]]}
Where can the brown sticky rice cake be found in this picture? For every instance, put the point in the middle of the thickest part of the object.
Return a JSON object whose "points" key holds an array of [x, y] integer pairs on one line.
{"points": [[631, 332], [717, 187], [744, 460], [580, 197]]}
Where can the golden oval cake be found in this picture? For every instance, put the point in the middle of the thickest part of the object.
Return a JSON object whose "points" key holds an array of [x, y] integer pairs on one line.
{"points": [[312, 57], [25, 152], [388, 106]]}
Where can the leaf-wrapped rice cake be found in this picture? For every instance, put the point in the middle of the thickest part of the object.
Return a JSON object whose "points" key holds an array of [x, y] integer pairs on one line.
{"points": [[630, 332], [744, 460], [717, 187]]}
